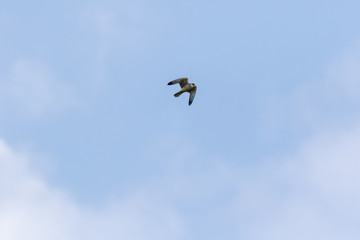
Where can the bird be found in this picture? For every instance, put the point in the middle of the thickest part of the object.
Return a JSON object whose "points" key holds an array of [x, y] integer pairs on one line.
{"points": [[185, 87]]}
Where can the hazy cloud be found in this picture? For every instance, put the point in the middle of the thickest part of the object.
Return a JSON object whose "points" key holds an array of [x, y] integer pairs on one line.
{"points": [[30, 88], [326, 102], [31, 209], [312, 194]]}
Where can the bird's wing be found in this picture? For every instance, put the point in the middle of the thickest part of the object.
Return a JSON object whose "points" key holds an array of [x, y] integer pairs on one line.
{"points": [[192, 95], [181, 81]]}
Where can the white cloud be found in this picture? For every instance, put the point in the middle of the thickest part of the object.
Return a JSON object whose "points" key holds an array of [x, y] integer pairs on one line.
{"points": [[31, 209], [30, 89], [313, 194]]}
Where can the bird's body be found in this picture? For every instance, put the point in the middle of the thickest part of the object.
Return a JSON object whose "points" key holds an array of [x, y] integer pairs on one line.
{"points": [[185, 87]]}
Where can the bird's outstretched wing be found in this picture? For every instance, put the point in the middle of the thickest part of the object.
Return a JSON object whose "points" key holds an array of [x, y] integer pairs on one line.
{"points": [[192, 95], [181, 81]]}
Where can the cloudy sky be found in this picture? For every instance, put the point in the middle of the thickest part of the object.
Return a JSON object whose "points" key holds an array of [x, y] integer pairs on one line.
{"points": [[93, 145]]}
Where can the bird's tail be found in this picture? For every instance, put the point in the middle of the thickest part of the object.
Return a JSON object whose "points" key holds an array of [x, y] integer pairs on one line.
{"points": [[178, 93]]}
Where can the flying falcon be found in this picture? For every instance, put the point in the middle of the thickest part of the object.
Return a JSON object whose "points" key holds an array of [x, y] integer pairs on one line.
{"points": [[185, 87]]}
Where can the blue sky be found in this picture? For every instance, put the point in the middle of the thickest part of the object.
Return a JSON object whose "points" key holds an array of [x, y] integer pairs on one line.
{"points": [[95, 146]]}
